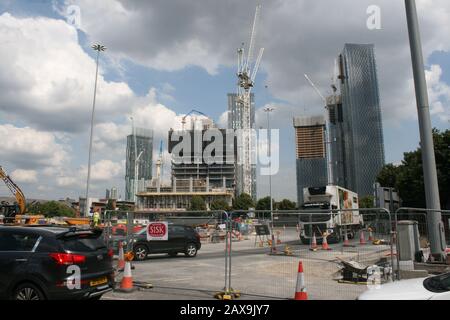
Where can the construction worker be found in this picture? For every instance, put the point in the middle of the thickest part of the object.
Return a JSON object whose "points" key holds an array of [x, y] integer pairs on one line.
{"points": [[96, 219]]}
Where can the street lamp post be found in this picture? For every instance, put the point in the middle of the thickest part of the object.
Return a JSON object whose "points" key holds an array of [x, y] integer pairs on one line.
{"points": [[434, 218], [136, 170], [99, 48], [268, 110]]}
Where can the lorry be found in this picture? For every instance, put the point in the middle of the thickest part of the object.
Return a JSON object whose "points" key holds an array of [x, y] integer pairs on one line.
{"points": [[342, 217]]}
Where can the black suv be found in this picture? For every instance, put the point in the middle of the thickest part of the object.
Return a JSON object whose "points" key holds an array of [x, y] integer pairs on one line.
{"points": [[39, 263], [181, 239]]}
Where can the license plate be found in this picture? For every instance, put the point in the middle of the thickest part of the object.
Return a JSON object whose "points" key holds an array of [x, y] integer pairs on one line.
{"points": [[97, 282]]}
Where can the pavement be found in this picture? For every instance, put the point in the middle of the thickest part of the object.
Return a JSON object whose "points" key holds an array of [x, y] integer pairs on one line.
{"points": [[255, 273]]}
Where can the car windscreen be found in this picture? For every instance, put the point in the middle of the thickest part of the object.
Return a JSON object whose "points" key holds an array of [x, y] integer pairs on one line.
{"points": [[438, 284], [83, 243]]}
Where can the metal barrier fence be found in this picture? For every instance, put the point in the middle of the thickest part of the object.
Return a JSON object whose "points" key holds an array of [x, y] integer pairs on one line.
{"points": [[238, 252], [420, 215]]}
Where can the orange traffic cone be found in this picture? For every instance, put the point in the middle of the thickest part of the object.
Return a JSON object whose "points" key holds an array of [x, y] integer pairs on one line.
{"points": [[325, 243], [121, 262], [362, 239], [314, 242], [300, 290], [127, 281], [346, 242]]}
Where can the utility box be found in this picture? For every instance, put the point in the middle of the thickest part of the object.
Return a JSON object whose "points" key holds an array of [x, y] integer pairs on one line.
{"points": [[408, 240]]}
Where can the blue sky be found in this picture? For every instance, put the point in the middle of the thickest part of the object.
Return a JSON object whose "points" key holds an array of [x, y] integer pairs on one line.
{"points": [[187, 65]]}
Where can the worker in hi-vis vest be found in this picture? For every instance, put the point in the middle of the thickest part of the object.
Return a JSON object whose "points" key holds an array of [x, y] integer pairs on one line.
{"points": [[96, 218]]}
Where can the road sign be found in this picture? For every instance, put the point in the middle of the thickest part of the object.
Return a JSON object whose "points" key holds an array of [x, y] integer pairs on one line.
{"points": [[157, 231]]}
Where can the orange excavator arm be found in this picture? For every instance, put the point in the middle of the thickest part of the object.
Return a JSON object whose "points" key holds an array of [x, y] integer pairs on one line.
{"points": [[15, 190]]}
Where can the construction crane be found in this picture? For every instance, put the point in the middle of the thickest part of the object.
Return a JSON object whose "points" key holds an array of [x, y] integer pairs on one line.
{"points": [[159, 163], [246, 81], [11, 211], [183, 120], [328, 127]]}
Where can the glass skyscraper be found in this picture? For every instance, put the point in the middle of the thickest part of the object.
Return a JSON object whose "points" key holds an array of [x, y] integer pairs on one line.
{"points": [[144, 143], [362, 124]]}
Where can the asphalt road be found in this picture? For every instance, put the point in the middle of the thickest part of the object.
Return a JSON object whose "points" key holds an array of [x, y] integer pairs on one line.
{"points": [[255, 273]]}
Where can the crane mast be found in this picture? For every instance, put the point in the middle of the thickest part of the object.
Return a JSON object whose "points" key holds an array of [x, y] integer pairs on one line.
{"points": [[246, 81], [328, 133]]}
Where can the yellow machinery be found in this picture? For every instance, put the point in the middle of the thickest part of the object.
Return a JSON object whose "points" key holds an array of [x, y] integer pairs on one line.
{"points": [[16, 213]]}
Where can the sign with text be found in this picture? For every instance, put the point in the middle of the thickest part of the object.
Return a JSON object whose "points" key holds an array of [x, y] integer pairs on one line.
{"points": [[158, 231], [262, 230]]}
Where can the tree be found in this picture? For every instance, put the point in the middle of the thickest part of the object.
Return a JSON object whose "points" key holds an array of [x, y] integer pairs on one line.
{"points": [[388, 176], [197, 204], [52, 209], [243, 202], [263, 204], [220, 204], [286, 204], [110, 205], [366, 202], [407, 178]]}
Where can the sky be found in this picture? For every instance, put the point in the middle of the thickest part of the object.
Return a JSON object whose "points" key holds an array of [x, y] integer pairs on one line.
{"points": [[167, 57]]}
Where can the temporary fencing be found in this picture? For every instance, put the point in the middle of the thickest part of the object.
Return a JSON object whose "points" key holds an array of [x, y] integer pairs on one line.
{"points": [[257, 253]]}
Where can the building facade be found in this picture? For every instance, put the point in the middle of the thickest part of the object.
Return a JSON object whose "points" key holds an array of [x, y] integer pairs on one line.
{"points": [[143, 139], [310, 137], [362, 124], [193, 167], [236, 122]]}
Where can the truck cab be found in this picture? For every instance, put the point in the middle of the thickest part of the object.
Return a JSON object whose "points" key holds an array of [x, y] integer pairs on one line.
{"points": [[334, 211]]}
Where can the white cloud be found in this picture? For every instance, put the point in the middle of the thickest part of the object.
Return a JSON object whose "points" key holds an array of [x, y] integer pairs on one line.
{"points": [[104, 170], [29, 148], [439, 93], [25, 176], [48, 80]]}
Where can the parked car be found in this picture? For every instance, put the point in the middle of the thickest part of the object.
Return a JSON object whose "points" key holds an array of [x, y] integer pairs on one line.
{"points": [[43, 262], [431, 288], [182, 239]]}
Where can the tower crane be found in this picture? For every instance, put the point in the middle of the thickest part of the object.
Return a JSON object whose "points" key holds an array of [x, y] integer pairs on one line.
{"points": [[246, 74], [328, 127], [183, 120]]}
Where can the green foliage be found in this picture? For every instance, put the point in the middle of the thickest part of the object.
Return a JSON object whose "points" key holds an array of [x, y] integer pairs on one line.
{"points": [[110, 205], [263, 204], [220, 204], [366, 202], [197, 204], [286, 204], [407, 178], [51, 209], [243, 202]]}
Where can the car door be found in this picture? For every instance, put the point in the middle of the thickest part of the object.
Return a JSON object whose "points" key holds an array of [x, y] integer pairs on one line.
{"points": [[15, 250], [177, 238]]}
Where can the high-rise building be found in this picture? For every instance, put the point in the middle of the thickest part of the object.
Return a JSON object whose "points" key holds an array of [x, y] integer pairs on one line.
{"points": [[311, 157], [236, 122], [143, 139], [192, 170], [362, 124], [337, 141]]}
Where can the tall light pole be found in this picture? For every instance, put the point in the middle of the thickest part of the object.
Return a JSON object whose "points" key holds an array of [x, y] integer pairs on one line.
{"points": [[434, 218], [99, 48], [136, 170], [268, 110]]}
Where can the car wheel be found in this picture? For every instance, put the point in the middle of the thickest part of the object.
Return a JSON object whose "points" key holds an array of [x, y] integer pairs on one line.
{"points": [[95, 298], [191, 250], [173, 254], [28, 291], [140, 252]]}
